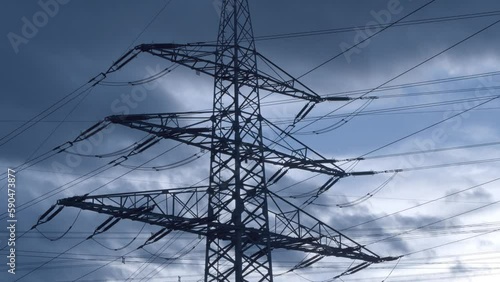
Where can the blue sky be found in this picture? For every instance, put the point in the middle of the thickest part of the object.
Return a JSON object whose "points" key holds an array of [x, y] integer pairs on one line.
{"points": [[80, 39]]}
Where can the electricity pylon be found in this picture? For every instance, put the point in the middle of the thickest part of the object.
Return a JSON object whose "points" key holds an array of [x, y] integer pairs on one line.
{"points": [[242, 220]]}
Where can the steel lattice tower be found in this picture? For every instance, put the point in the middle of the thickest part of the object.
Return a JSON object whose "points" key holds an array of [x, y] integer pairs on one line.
{"points": [[237, 117], [237, 221]]}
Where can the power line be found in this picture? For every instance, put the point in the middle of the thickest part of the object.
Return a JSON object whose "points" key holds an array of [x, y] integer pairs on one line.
{"points": [[439, 221], [74, 246], [402, 95], [83, 178], [414, 67], [479, 145], [153, 19], [49, 261], [364, 40], [20, 168], [452, 242], [356, 28], [417, 83], [45, 113], [423, 204], [430, 126]]}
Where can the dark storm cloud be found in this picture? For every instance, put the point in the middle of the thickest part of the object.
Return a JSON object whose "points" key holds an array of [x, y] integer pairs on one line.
{"points": [[383, 56]]}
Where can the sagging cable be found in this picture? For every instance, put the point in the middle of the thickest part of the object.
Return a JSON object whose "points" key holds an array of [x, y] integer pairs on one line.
{"points": [[124, 246], [344, 120], [151, 78], [64, 233], [169, 166], [368, 195], [179, 163]]}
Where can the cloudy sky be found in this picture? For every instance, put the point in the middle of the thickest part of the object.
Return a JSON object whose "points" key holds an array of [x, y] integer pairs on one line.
{"points": [[435, 74]]}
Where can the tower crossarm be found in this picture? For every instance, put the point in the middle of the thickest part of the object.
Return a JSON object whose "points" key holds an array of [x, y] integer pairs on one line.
{"points": [[201, 58], [168, 126], [295, 229], [177, 209], [185, 209]]}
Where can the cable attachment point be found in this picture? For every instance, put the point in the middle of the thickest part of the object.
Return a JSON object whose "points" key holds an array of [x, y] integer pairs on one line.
{"points": [[118, 161], [105, 226], [303, 113], [306, 263], [98, 78], [156, 237], [338, 98], [393, 171], [63, 147], [367, 98], [144, 145], [42, 220], [384, 259], [353, 270], [91, 131], [327, 185], [362, 173], [123, 60], [277, 176]]}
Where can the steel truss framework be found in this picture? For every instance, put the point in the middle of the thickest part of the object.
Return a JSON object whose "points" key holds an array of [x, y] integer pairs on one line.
{"points": [[242, 220]]}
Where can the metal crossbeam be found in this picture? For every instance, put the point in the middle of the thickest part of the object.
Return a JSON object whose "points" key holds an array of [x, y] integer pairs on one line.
{"points": [[167, 126], [186, 209], [201, 58]]}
